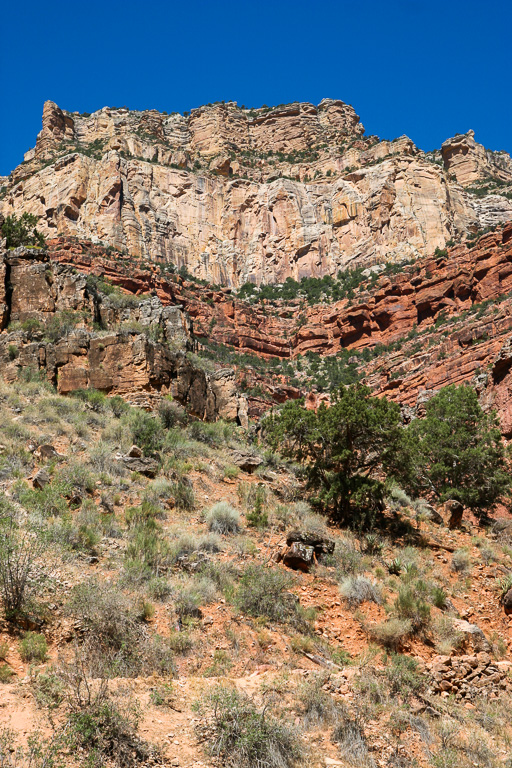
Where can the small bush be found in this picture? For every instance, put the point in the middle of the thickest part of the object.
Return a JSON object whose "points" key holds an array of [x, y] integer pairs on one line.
{"points": [[6, 673], [19, 552], [146, 430], [117, 643], [391, 633], [190, 594], [183, 495], [359, 589], [316, 706], [346, 557], [33, 647], [22, 231], [171, 413], [404, 676], [107, 734], [223, 518], [410, 605], [264, 592], [214, 434], [349, 735], [49, 690], [461, 561], [180, 642], [221, 664], [242, 737], [439, 598], [399, 499]]}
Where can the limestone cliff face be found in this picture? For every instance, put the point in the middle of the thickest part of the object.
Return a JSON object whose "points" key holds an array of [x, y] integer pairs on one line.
{"points": [[238, 195], [471, 162]]}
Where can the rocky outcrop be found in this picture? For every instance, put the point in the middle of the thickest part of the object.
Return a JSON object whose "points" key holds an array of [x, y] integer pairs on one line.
{"points": [[236, 195], [381, 313], [51, 309], [448, 319], [470, 676], [471, 162]]}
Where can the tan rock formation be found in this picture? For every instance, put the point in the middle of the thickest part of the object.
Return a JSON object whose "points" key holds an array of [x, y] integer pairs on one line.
{"points": [[235, 195], [471, 162]]}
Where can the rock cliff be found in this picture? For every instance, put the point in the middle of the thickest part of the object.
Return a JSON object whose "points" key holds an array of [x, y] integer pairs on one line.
{"points": [[236, 195], [438, 321], [56, 321]]}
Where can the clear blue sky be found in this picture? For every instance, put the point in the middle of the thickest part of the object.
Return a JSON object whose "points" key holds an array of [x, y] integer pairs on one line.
{"points": [[428, 69]]}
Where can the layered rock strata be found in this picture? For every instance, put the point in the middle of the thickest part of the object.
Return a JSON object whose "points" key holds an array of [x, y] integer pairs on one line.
{"points": [[236, 195], [441, 321]]}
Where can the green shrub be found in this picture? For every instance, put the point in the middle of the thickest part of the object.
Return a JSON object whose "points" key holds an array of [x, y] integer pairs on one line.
{"points": [[117, 643], [410, 604], [21, 575], [171, 413], [404, 676], [342, 448], [190, 594], [6, 673], [148, 546], [180, 642], [461, 561], [95, 399], [458, 451], [359, 589], [107, 735], [146, 430], [223, 518], [33, 647], [391, 633], [350, 737], [316, 705], [22, 231], [242, 737], [183, 494], [215, 434], [221, 664], [264, 592], [48, 502]]}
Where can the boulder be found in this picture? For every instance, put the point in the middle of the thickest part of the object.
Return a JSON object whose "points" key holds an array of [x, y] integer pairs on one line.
{"points": [[473, 634], [246, 461], [46, 452], [135, 452], [41, 479], [144, 465], [299, 557], [304, 550], [433, 514], [455, 510], [320, 544], [506, 602]]}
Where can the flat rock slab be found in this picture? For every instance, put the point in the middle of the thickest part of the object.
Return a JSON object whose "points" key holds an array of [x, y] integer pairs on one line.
{"points": [[144, 465]]}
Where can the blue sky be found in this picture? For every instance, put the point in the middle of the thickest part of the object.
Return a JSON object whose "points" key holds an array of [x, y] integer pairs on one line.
{"points": [[426, 69]]}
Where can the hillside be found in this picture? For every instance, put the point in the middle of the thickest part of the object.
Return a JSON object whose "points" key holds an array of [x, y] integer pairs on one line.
{"points": [[178, 584]]}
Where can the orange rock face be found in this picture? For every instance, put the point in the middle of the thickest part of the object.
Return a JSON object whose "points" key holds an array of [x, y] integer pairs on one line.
{"points": [[422, 310]]}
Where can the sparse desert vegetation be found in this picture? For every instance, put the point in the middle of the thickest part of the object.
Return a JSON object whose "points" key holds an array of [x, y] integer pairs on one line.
{"points": [[110, 580]]}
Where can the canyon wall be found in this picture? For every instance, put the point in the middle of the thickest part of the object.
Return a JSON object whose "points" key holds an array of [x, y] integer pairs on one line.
{"points": [[236, 195]]}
